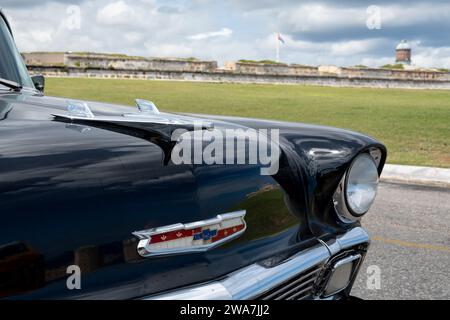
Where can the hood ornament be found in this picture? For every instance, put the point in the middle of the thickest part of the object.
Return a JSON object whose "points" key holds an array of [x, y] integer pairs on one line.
{"points": [[79, 109], [197, 236], [146, 106], [149, 123], [149, 118]]}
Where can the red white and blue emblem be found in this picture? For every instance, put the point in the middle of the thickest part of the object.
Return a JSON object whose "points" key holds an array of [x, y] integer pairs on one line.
{"points": [[191, 237]]}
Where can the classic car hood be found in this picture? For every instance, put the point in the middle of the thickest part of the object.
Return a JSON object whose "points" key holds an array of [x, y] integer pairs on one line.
{"points": [[74, 194]]}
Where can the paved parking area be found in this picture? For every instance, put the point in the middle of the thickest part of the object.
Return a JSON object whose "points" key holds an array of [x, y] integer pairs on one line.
{"points": [[410, 231]]}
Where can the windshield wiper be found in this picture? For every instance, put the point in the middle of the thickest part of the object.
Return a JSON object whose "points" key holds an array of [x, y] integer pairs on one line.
{"points": [[11, 84]]}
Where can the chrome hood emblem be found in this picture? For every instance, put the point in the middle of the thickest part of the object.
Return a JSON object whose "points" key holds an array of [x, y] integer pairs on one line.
{"points": [[197, 236]]}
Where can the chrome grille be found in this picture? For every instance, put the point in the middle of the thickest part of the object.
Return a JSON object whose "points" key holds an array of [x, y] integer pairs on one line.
{"points": [[299, 287]]}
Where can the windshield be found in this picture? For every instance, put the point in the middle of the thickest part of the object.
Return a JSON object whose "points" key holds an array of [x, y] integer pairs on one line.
{"points": [[12, 66]]}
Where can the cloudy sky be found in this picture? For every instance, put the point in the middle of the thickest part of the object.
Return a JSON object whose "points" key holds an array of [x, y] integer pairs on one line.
{"points": [[344, 32]]}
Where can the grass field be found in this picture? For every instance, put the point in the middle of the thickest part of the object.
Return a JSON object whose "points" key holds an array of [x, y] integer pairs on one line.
{"points": [[414, 124]]}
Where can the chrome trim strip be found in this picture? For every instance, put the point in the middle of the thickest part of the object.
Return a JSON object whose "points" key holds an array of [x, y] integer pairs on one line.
{"points": [[255, 280], [346, 260], [352, 238], [292, 286], [376, 154]]}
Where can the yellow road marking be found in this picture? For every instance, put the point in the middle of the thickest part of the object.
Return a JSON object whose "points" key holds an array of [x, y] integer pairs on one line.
{"points": [[413, 244]]}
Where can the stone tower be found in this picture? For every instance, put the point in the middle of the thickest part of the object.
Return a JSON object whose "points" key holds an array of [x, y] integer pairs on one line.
{"points": [[403, 53]]}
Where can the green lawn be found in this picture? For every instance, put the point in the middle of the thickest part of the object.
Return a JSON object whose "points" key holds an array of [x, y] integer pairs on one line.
{"points": [[414, 124]]}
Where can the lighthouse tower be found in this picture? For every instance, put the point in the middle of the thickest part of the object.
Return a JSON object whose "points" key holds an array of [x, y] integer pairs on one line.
{"points": [[403, 53]]}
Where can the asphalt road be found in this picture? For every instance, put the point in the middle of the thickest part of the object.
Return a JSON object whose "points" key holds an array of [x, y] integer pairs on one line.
{"points": [[410, 231]]}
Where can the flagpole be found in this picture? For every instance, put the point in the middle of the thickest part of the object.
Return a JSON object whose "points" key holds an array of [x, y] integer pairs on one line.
{"points": [[277, 48]]}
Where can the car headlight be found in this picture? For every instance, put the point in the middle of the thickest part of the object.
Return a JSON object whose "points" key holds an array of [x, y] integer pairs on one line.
{"points": [[362, 184], [356, 193]]}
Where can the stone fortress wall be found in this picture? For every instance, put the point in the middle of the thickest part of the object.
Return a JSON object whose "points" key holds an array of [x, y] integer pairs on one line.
{"points": [[121, 66]]}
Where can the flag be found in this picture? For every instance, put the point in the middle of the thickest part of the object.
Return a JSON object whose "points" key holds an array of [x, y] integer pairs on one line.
{"points": [[280, 38]]}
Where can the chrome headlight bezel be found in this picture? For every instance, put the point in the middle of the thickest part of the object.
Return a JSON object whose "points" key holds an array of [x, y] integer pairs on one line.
{"points": [[343, 208]]}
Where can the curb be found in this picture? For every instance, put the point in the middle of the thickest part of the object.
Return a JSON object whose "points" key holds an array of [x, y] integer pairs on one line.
{"points": [[424, 176]]}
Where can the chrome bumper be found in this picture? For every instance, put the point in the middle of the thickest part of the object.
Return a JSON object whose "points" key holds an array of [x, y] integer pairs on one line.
{"points": [[255, 280]]}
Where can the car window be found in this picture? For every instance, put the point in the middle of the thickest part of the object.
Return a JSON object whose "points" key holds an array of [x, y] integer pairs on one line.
{"points": [[12, 66]]}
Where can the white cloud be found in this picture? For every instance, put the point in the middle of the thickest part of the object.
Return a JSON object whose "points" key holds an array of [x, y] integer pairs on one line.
{"points": [[376, 61], [317, 17], [395, 15], [334, 49], [320, 17], [354, 46], [315, 32], [432, 57], [134, 37], [116, 13], [42, 36], [224, 32], [426, 57], [168, 50]]}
